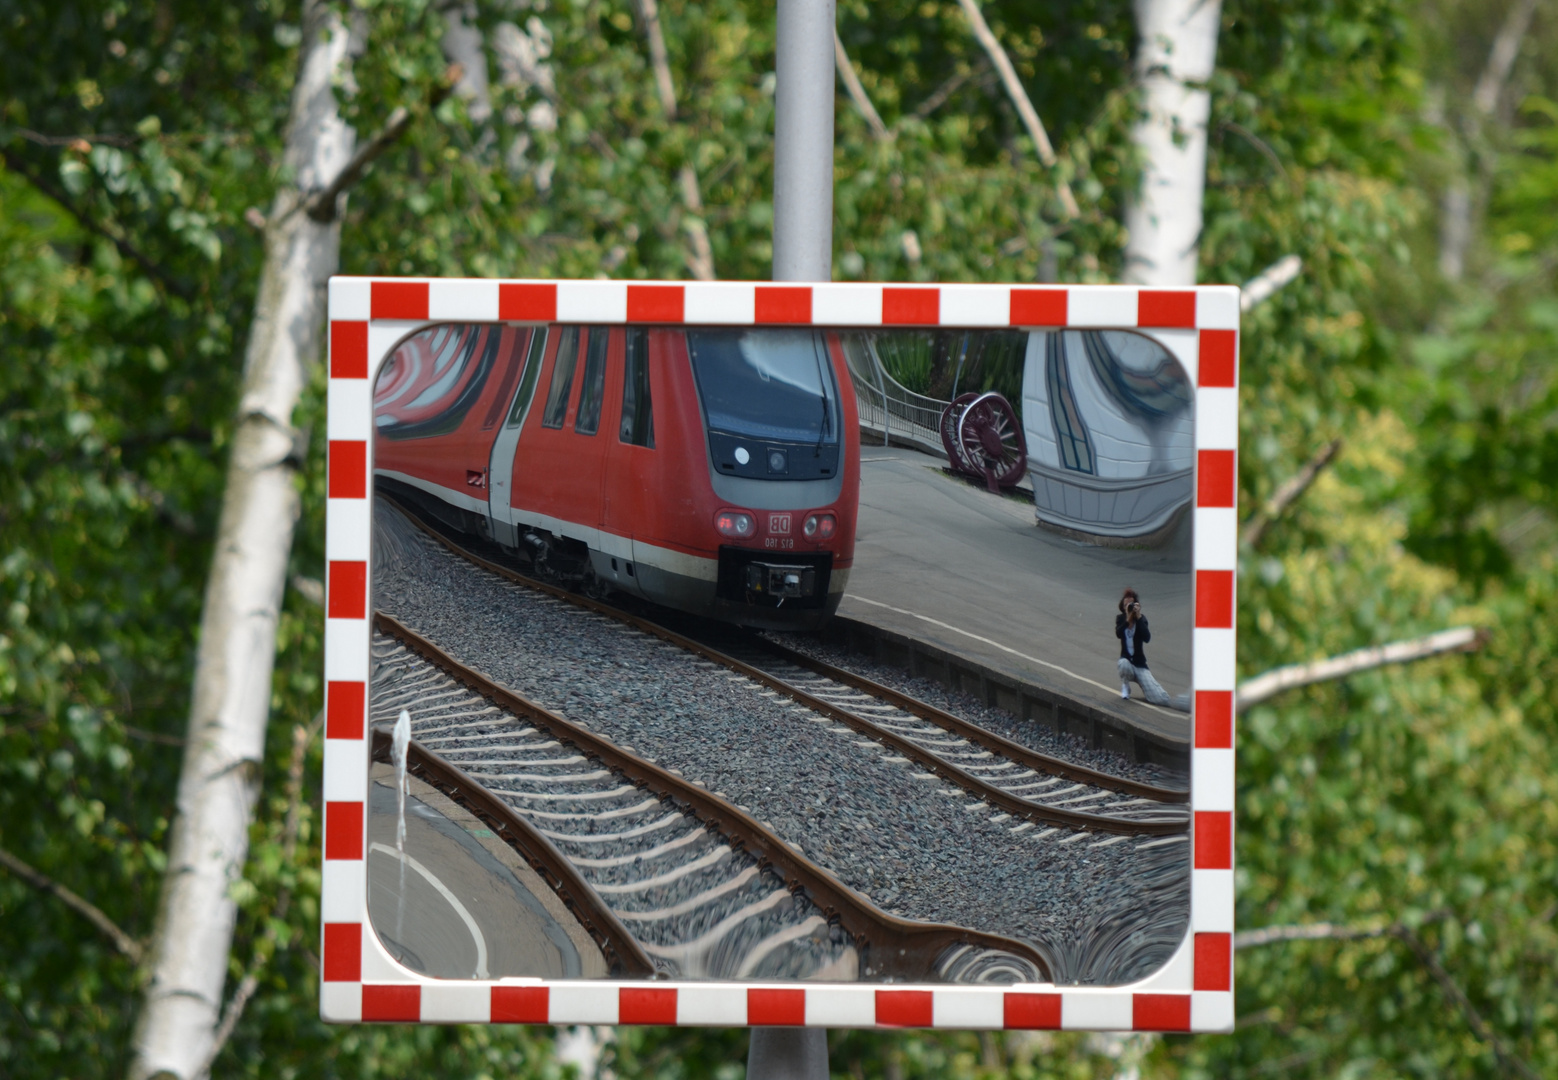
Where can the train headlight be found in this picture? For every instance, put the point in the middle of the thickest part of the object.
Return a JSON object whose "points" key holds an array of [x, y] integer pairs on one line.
{"points": [[735, 524], [820, 527]]}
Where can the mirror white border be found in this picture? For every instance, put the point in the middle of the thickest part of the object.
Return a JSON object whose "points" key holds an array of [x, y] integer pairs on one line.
{"points": [[360, 981]]}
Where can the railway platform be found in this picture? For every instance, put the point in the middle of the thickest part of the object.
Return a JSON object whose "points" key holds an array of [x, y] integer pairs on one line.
{"points": [[943, 562]]}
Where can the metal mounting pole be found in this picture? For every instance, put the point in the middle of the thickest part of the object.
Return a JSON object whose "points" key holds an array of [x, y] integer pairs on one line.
{"points": [[788, 1053], [803, 142], [803, 251]]}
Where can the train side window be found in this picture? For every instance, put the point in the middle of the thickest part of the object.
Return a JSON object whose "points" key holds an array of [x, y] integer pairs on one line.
{"points": [[638, 418], [562, 378], [527, 385], [587, 422]]}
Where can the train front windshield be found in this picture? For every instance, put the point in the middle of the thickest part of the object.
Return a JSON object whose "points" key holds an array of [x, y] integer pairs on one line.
{"points": [[771, 401]]}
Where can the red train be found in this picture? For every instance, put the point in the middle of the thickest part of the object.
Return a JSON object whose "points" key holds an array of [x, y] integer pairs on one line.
{"points": [[711, 470]]}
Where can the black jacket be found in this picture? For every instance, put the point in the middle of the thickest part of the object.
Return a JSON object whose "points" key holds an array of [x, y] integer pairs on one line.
{"points": [[1141, 636]]}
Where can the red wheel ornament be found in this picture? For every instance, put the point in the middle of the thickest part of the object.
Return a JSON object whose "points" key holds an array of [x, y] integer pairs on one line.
{"points": [[990, 439], [950, 415]]}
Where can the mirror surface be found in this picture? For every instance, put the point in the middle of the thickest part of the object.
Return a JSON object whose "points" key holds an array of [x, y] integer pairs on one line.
{"points": [[843, 655]]}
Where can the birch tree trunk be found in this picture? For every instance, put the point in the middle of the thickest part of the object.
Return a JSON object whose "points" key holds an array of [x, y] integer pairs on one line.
{"points": [[463, 45], [1178, 47], [231, 695]]}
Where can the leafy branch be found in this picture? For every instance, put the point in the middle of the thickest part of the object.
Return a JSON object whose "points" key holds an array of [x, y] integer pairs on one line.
{"points": [[322, 204], [1407, 935], [1020, 101], [700, 260], [80, 905], [1289, 493], [110, 232], [302, 737], [857, 92]]}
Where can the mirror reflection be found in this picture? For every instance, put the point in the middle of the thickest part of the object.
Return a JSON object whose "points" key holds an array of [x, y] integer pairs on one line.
{"points": [[781, 653]]}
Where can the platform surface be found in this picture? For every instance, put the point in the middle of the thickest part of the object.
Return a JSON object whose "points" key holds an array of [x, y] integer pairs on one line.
{"points": [[944, 561]]}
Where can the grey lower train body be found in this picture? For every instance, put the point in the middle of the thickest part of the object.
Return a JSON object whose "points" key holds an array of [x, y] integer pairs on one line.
{"points": [[699, 595]]}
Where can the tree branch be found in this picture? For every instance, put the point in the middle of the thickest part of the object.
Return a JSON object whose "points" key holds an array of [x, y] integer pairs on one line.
{"points": [[1270, 935], [321, 205], [1501, 58], [94, 914], [301, 738], [1260, 288], [16, 164], [1020, 101], [1264, 687], [700, 260], [1289, 493], [857, 92], [1461, 203], [939, 96]]}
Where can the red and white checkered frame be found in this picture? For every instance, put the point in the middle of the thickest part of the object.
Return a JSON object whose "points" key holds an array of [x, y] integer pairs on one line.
{"points": [[361, 982]]}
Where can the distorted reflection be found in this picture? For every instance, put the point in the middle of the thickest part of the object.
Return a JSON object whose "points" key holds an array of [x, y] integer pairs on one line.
{"points": [[994, 523]]}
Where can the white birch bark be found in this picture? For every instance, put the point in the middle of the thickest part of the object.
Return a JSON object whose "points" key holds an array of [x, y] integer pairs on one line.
{"points": [[463, 45], [231, 696], [524, 61], [1461, 203], [1178, 47]]}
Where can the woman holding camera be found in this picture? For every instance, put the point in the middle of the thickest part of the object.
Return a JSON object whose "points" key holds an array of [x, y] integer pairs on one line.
{"points": [[1130, 626]]}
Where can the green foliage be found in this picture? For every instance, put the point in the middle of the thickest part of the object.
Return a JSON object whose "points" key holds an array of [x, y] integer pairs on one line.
{"points": [[138, 138]]}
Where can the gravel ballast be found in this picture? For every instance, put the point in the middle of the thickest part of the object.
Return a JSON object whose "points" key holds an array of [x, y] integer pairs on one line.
{"points": [[1105, 909]]}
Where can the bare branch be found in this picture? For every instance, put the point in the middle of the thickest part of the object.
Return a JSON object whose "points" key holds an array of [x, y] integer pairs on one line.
{"points": [[1474, 1020], [1020, 101], [1501, 59], [1462, 198], [301, 738], [1289, 493], [176, 518], [659, 57], [321, 205], [857, 92], [1259, 143], [1270, 935], [108, 139], [1260, 288], [94, 914], [152, 736], [1264, 687], [108, 232], [939, 96], [311, 589], [700, 260]]}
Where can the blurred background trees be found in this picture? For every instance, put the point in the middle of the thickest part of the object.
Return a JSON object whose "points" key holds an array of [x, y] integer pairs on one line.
{"points": [[1406, 150]]}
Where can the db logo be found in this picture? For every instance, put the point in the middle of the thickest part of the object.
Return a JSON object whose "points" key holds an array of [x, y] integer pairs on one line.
{"points": [[779, 524]]}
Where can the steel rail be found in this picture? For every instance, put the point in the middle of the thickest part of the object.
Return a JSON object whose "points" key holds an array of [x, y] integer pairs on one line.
{"points": [[886, 943], [625, 957], [974, 733], [931, 762]]}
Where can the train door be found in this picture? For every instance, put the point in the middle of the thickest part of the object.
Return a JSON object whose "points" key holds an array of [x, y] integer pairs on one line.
{"points": [[593, 422], [500, 468]]}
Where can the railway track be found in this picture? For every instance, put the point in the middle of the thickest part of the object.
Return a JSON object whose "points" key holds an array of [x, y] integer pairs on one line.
{"points": [[1033, 789], [669, 879], [1018, 771]]}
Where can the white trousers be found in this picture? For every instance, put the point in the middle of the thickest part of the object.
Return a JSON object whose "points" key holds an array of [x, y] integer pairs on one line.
{"points": [[1150, 687]]}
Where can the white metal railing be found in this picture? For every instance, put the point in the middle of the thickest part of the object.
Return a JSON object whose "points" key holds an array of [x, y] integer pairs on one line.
{"points": [[889, 408]]}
